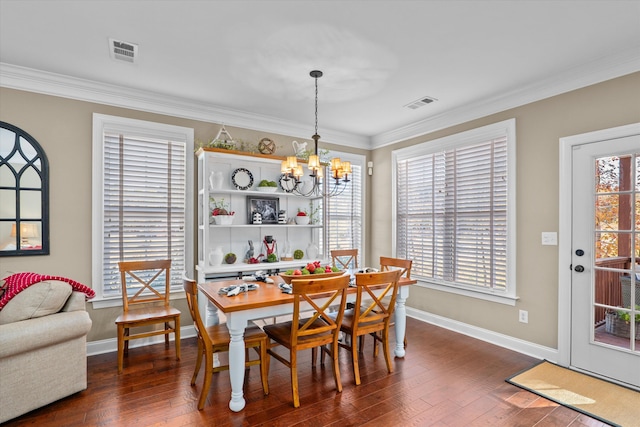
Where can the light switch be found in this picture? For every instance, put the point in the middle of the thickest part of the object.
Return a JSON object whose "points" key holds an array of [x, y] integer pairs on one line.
{"points": [[550, 238]]}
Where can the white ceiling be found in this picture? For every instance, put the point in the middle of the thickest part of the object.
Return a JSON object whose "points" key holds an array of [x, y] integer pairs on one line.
{"points": [[247, 63]]}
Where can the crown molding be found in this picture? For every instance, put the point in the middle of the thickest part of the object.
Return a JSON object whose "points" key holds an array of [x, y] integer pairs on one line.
{"points": [[596, 71], [47, 83]]}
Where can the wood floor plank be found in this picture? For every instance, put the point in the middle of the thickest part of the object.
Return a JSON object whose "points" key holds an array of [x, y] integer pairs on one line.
{"points": [[446, 379]]}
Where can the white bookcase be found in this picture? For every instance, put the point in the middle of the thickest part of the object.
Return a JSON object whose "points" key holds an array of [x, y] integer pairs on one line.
{"points": [[234, 237]]}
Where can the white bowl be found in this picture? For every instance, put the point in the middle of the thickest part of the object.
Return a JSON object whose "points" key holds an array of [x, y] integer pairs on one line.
{"points": [[302, 220], [267, 189], [223, 219]]}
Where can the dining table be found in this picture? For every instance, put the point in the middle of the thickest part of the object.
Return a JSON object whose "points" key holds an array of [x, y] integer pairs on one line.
{"points": [[263, 300]]}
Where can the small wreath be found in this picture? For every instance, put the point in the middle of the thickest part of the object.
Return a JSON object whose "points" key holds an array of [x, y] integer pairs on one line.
{"points": [[287, 184], [266, 146]]}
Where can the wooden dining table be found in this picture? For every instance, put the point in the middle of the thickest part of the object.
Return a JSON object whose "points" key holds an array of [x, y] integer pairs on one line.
{"points": [[269, 301]]}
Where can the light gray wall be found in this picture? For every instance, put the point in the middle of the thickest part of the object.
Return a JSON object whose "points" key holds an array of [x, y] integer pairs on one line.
{"points": [[539, 126], [63, 128]]}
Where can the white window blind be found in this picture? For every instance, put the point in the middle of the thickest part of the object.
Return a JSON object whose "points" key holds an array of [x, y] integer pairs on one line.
{"points": [[345, 212], [345, 221], [452, 211], [143, 204]]}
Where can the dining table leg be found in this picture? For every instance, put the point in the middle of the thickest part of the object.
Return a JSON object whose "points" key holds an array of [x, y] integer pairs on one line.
{"points": [[236, 328], [401, 320]]}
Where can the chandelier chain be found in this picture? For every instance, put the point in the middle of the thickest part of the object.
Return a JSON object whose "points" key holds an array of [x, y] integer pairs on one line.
{"points": [[316, 111]]}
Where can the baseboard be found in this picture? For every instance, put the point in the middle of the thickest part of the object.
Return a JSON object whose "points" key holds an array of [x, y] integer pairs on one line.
{"points": [[111, 345], [506, 341]]}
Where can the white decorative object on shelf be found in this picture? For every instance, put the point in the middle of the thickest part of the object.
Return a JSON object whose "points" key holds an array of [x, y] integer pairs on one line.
{"points": [[267, 189], [282, 217], [287, 253], [312, 251], [215, 180], [302, 220], [257, 218], [299, 148], [215, 257], [223, 219]]}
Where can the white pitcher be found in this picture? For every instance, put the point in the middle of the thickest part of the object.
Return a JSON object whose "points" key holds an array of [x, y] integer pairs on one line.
{"points": [[299, 147]]}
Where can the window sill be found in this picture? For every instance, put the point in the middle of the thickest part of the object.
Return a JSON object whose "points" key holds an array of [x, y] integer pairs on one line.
{"points": [[117, 301], [498, 297]]}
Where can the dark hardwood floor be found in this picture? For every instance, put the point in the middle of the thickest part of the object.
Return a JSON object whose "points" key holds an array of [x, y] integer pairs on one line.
{"points": [[446, 379]]}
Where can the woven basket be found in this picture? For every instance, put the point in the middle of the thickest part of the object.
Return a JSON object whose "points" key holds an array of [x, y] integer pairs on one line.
{"points": [[618, 327]]}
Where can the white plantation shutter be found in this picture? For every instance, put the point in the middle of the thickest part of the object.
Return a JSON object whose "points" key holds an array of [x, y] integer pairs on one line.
{"points": [[452, 210], [143, 203], [344, 220]]}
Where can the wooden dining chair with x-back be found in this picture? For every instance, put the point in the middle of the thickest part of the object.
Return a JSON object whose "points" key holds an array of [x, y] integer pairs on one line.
{"points": [[214, 339], [345, 259], [376, 300], [145, 284], [317, 330]]}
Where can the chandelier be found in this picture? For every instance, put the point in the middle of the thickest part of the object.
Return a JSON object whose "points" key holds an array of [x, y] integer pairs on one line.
{"points": [[339, 172]]}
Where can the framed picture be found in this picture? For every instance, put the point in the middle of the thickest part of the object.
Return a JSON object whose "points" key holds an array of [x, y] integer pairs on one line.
{"points": [[268, 207]]}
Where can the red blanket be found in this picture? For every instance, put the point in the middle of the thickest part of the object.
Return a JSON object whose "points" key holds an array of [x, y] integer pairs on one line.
{"points": [[18, 282]]}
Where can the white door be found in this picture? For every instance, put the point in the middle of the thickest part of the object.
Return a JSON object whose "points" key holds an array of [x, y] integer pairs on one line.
{"points": [[605, 254]]}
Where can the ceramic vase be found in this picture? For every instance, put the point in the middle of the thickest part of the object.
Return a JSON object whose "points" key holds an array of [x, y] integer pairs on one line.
{"points": [[215, 180], [312, 251], [215, 257]]}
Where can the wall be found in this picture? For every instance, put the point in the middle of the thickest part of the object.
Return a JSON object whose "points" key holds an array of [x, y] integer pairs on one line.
{"points": [[539, 126], [63, 127]]}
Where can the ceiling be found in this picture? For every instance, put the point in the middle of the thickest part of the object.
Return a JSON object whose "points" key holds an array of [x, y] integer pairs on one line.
{"points": [[247, 63]]}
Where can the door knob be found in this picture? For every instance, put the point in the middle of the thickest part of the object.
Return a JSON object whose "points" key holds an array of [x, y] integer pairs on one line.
{"points": [[579, 269]]}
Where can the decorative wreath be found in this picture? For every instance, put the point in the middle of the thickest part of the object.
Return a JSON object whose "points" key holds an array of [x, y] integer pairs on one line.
{"points": [[266, 146]]}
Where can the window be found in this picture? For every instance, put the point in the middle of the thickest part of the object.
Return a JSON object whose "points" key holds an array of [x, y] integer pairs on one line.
{"points": [[345, 219], [142, 198], [24, 194], [454, 212]]}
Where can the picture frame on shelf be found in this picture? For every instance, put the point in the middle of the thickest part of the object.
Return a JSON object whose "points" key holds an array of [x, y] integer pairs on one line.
{"points": [[268, 207]]}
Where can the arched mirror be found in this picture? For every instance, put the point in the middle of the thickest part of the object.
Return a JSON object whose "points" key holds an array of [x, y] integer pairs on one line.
{"points": [[24, 194]]}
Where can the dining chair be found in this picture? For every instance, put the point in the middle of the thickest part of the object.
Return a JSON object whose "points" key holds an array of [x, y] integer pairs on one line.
{"points": [[318, 330], [215, 339], [376, 297], [145, 301], [344, 258], [404, 266]]}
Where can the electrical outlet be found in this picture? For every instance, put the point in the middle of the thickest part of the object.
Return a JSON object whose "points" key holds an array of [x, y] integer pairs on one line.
{"points": [[523, 316], [550, 238]]}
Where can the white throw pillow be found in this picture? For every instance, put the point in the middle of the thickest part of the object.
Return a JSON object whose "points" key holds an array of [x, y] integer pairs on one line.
{"points": [[39, 299]]}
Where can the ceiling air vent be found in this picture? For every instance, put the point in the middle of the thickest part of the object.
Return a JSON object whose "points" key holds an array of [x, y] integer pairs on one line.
{"points": [[420, 102], [123, 51]]}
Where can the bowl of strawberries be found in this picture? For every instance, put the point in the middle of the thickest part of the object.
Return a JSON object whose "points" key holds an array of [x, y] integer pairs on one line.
{"points": [[302, 218], [312, 269]]}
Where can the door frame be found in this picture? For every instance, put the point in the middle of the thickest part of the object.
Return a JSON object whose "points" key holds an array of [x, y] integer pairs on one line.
{"points": [[564, 227]]}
